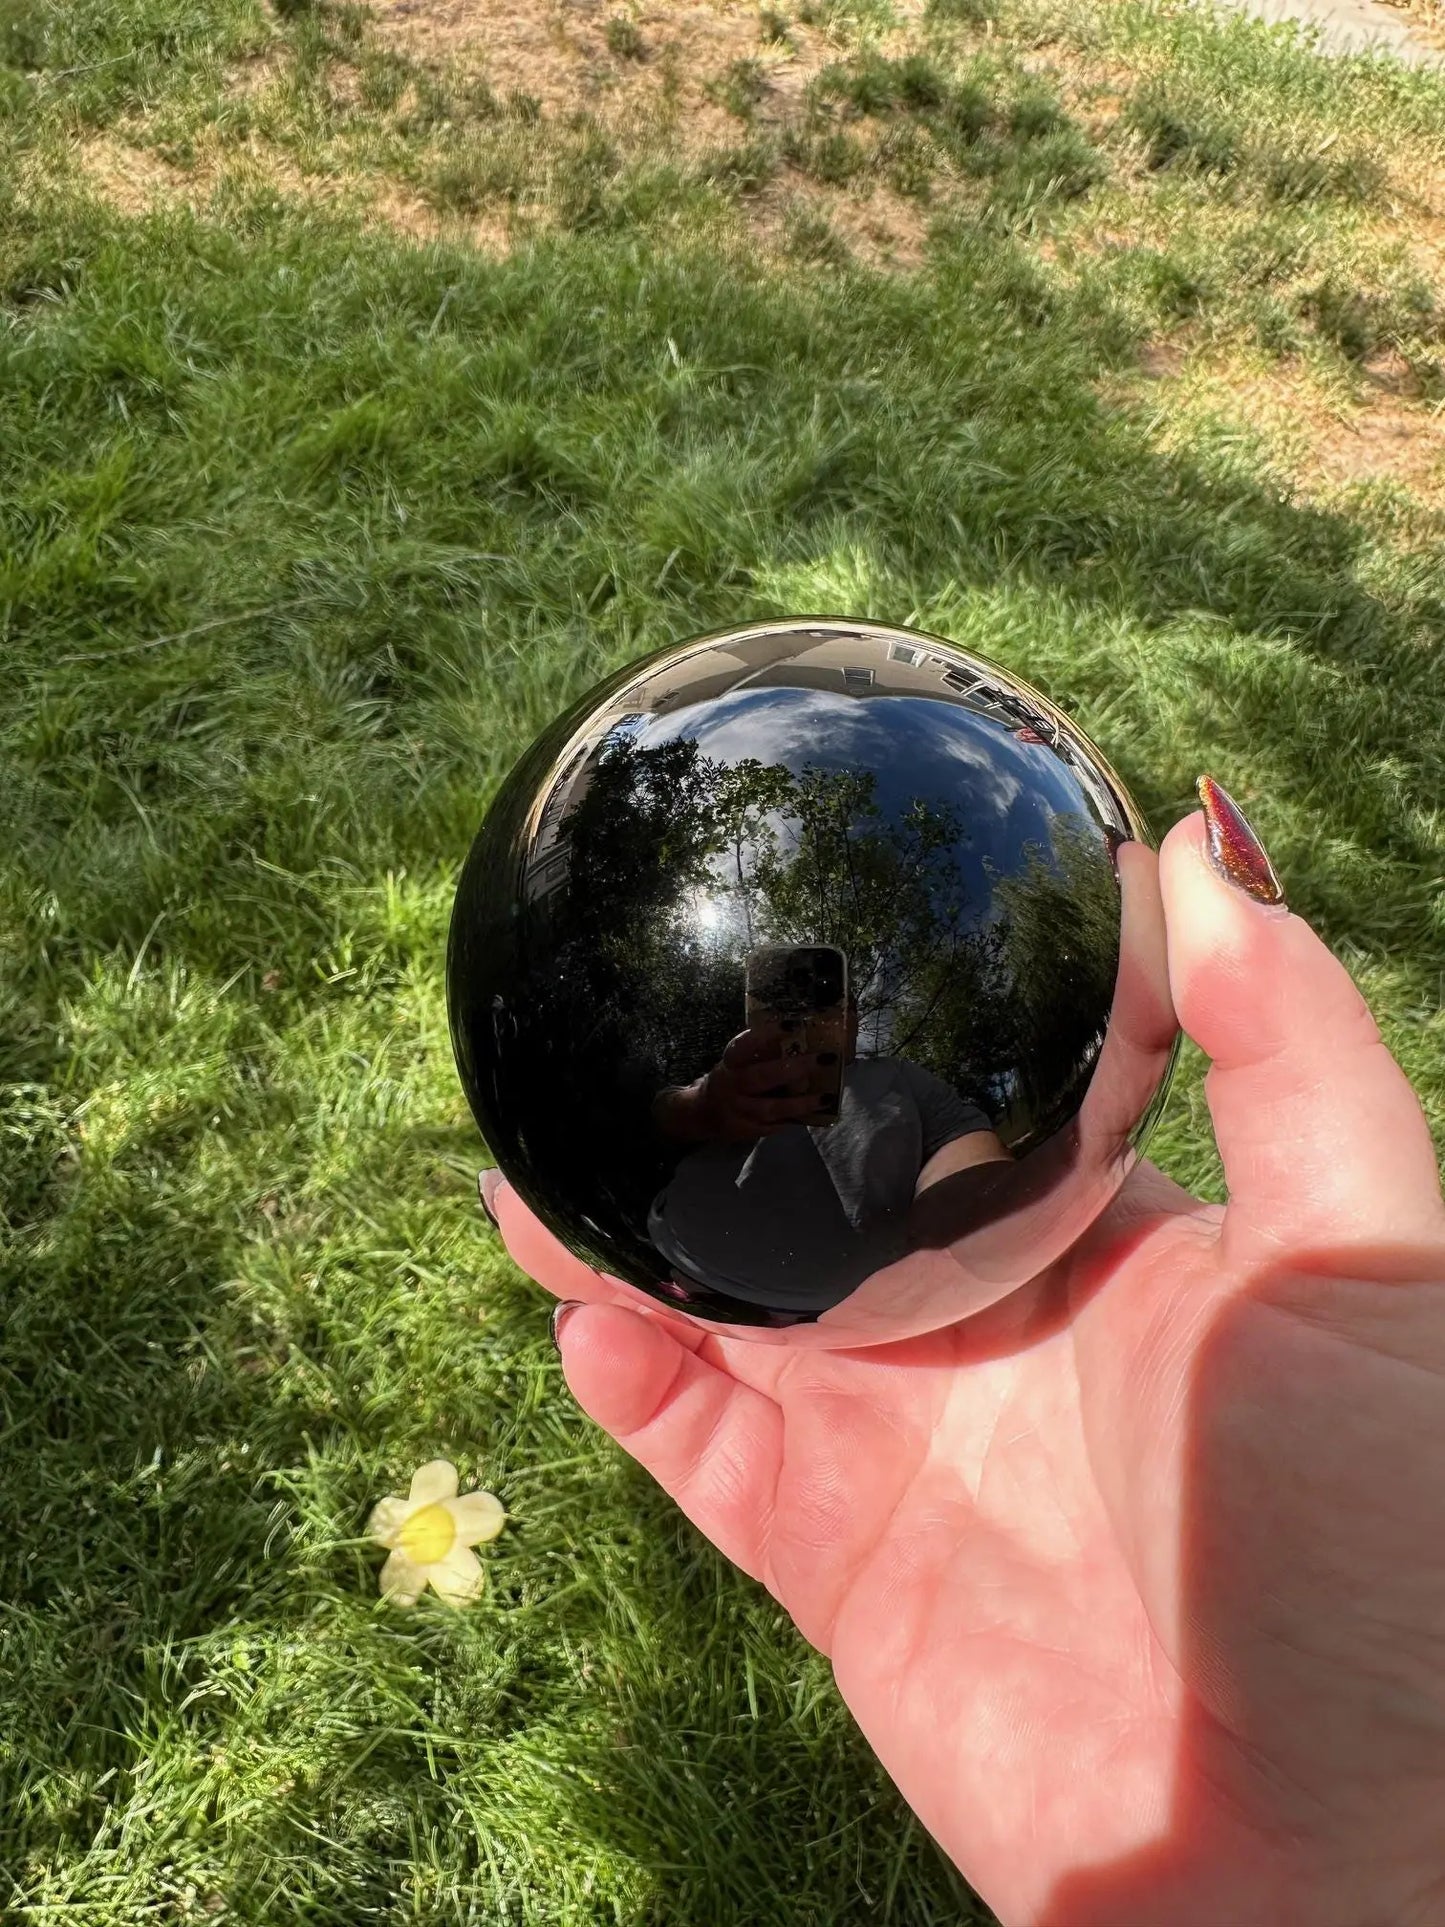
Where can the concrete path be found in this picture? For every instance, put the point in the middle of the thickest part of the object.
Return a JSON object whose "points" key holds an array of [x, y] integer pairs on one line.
{"points": [[1351, 26]]}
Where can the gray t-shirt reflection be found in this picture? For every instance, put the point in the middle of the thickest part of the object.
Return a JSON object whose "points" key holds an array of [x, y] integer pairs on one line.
{"points": [[802, 1217]]}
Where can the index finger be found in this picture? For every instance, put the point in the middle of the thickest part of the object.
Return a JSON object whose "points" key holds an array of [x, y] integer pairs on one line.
{"points": [[751, 1047], [1323, 1139]]}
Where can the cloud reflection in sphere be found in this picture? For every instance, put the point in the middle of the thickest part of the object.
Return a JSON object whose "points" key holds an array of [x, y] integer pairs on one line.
{"points": [[810, 978]]}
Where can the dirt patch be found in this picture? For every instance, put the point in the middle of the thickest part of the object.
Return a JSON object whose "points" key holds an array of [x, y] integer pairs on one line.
{"points": [[134, 179], [1383, 432], [711, 85], [1388, 373], [795, 215], [255, 76], [678, 82], [1161, 360], [1323, 440], [563, 57], [885, 231], [1092, 90], [560, 57], [1384, 443]]}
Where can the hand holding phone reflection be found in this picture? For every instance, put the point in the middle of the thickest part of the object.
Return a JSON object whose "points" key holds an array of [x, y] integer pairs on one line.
{"points": [[765, 1207], [753, 1091]]}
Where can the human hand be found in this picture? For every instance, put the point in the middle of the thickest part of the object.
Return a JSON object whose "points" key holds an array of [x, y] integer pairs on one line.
{"points": [[736, 1101], [1135, 1582]]}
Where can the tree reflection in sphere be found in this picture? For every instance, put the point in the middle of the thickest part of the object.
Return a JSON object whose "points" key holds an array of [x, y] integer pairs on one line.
{"points": [[794, 790]]}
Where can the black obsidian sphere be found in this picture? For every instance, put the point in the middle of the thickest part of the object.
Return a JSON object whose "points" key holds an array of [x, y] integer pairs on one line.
{"points": [[810, 978]]}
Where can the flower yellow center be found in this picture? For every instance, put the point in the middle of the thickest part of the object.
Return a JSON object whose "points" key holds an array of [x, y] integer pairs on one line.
{"points": [[428, 1535]]}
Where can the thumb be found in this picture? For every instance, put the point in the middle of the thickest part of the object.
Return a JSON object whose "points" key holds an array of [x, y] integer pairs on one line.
{"points": [[1322, 1138]]}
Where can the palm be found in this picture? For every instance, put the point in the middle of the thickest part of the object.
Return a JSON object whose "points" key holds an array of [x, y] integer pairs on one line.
{"points": [[983, 1528], [939, 1530], [1136, 1582]]}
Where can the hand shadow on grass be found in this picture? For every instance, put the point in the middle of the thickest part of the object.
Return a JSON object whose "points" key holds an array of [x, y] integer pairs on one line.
{"points": [[143, 1426]]}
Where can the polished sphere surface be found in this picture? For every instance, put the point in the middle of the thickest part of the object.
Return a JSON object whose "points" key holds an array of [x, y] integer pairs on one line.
{"points": [[810, 979]]}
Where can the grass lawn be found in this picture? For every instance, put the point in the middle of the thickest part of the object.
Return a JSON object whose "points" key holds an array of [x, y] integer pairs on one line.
{"points": [[359, 405]]}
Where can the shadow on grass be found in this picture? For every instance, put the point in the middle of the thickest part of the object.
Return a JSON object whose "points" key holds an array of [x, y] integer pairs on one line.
{"points": [[448, 502], [132, 1517], [450, 493]]}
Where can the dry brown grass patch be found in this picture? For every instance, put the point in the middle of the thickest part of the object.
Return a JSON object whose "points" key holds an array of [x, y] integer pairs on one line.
{"points": [[1320, 437], [135, 180], [880, 230], [249, 79], [559, 56], [670, 104], [553, 50]]}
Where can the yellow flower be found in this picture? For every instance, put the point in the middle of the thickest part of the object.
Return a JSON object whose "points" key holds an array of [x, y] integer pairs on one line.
{"points": [[430, 1534]]}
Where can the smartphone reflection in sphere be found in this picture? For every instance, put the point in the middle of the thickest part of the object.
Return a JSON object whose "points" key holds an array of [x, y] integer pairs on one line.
{"points": [[797, 1004], [810, 979]]}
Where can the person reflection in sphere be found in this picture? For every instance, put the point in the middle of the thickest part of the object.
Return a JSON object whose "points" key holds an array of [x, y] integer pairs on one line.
{"points": [[762, 1203]]}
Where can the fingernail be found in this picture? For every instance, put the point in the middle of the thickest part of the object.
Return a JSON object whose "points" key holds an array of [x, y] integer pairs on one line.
{"points": [[487, 1182], [559, 1318], [1233, 848]]}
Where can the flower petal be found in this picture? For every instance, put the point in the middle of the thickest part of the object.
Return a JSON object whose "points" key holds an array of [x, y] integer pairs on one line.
{"points": [[435, 1480], [401, 1581], [387, 1518], [478, 1516], [458, 1577]]}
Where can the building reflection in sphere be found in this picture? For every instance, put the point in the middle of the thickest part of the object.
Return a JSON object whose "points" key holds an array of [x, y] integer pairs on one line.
{"points": [[810, 978]]}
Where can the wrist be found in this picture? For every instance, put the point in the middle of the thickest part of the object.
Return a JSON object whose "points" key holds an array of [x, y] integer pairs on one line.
{"points": [[1210, 1867]]}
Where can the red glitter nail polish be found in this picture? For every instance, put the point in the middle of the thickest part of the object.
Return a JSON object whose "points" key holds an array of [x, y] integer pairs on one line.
{"points": [[1233, 848]]}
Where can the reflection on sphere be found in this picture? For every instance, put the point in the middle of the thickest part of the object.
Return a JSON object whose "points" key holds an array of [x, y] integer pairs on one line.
{"points": [[782, 977]]}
